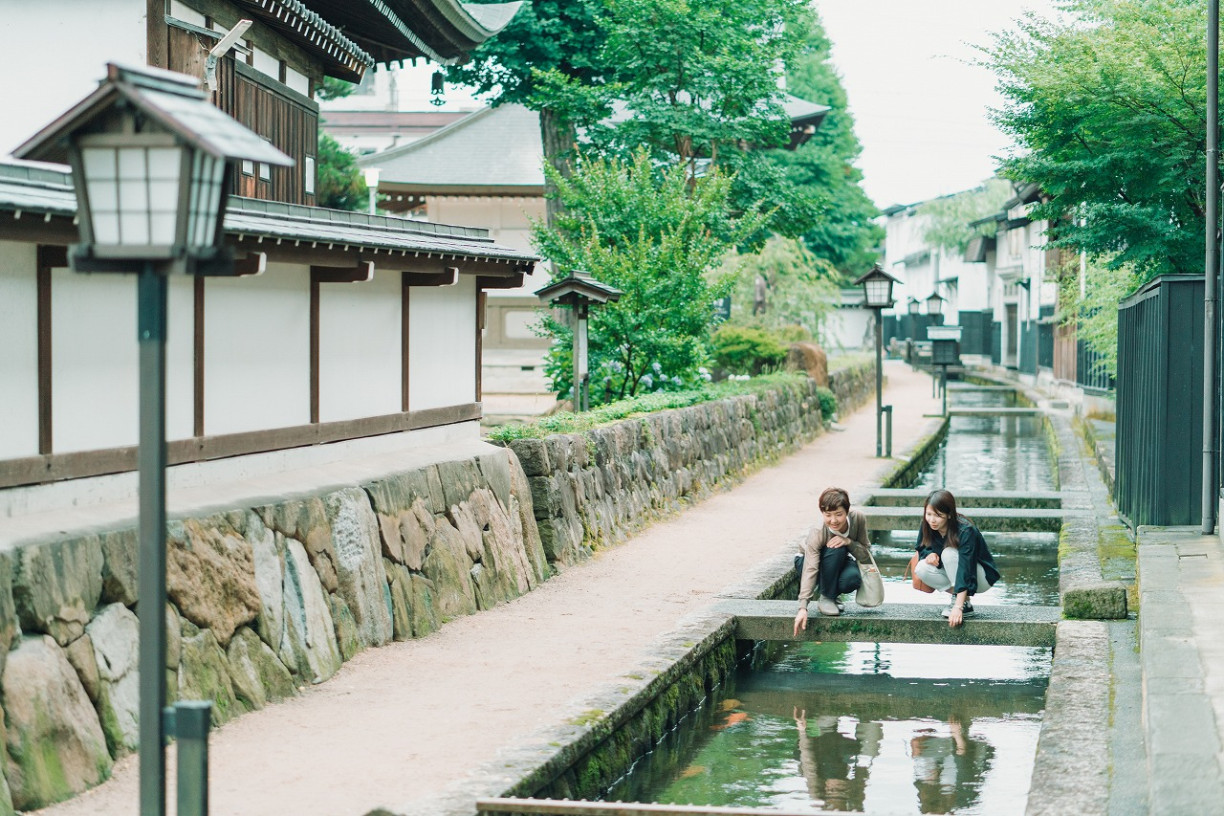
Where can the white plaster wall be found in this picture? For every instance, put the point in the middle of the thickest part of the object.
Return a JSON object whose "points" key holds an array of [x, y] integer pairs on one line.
{"points": [[508, 220], [442, 345], [95, 382], [359, 348], [18, 350], [257, 351], [42, 81]]}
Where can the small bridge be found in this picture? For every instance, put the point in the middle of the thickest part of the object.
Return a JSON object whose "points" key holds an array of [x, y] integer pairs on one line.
{"points": [[908, 497], [987, 519], [991, 412], [897, 623]]}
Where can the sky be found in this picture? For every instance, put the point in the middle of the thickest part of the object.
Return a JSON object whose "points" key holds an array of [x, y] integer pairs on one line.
{"points": [[920, 107]]}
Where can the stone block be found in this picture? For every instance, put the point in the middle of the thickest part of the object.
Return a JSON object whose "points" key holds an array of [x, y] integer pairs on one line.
{"points": [[257, 675], [359, 567], [210, 576], [115, 635], [495, 468], [532, 456], [1103, 600], [458, 479], [10, 627], [559, 451], [55, 743], [448, 567], [268, 557], [56, 586], [309, 645], [120, 562], [204, 674], [306, 521]]}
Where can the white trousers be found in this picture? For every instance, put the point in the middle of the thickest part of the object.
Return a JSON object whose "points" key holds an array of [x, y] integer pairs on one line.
{"points": [[943, 577]]}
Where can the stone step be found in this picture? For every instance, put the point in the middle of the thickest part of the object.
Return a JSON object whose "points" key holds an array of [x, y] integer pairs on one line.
{"points": [[908, 497], [987, 519], [990, 625], [987, 412], [985, 389]]}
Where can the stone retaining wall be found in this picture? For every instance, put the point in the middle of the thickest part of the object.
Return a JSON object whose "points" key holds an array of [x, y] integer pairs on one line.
{"points": [[264, 599], [597, 487]]}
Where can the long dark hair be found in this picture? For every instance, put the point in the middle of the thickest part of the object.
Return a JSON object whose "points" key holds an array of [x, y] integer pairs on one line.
{"points": [[944, 503]]}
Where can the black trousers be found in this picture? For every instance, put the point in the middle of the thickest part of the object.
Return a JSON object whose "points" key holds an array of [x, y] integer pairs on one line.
{"points": [[839, 573]]}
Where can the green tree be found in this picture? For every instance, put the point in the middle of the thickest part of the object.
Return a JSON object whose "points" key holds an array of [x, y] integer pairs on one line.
{"points": [[654, 234], [1088, 297], [560, 38], [822, 199], [950, 216], [341, 185], [800, 288], [1107, 107]]}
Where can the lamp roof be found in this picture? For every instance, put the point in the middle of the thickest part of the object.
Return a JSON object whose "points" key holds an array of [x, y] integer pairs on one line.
{"points": [[877, 272], [175, 101], [578, 286]]}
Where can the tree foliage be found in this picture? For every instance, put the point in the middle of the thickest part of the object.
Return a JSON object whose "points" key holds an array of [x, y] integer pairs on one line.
{"points": [[801, 289], [341, 185], [1107, 105], [654, 234], [823, 201], [950, 216], [1088, 297]]}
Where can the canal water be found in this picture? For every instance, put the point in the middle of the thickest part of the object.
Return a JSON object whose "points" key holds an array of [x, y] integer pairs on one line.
{"points": [[886, 728]]}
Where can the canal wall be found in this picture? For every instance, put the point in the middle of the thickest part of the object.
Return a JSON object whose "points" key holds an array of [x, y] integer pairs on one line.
{"points": [[595, 488], [268, 596]]}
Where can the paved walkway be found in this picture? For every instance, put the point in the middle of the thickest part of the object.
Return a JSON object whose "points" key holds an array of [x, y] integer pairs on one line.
{"points": [[404, 723]]}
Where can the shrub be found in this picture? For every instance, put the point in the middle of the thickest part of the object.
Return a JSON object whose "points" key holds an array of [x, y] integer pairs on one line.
{"points": [[746, 350]]}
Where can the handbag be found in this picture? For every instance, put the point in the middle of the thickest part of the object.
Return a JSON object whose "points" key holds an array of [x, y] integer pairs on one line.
{"points": [[871, 591], [912, 569]]}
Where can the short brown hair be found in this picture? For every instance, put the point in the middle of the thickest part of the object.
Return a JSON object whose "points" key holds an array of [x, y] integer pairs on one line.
{"points": [[833, 498]]}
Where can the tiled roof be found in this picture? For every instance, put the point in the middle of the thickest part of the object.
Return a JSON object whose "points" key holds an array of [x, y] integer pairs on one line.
{"points": [[493, 147], [36, 190]]}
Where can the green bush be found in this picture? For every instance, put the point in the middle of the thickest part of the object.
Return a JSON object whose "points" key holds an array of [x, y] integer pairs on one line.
{"points": [[567, 422], [828, 403], [746, 350]]}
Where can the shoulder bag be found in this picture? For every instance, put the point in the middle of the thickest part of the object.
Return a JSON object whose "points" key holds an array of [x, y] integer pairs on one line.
{"points": [[871, 591]]}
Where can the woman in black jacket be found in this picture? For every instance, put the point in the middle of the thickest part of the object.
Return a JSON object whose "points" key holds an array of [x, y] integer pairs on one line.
{"points": [[952, 555]]}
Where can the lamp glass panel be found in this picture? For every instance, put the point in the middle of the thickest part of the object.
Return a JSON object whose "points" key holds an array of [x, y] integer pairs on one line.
{"points": [[878, 292], [934, 305], [913, 307], [100, 166], [207, 173], [164, 169]]}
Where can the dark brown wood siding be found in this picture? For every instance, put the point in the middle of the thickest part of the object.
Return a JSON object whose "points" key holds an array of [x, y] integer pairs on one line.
{"points": [[285, 118]]}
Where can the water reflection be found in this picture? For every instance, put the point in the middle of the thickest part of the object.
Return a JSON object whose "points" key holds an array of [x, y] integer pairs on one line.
{"points": [[860, 727]]}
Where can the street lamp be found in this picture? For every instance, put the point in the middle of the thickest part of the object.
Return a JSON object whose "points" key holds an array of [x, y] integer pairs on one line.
{"points": [[579, 291], [151, 163], [934, 305], [912, 307], [945, 351], [877, 295], [371, 179]]}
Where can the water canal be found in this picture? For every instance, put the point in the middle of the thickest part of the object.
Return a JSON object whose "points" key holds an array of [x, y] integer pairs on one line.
{"points": [[886, 728]]}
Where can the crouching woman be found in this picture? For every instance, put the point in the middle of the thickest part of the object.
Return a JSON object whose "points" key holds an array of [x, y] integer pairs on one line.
{"points": [[952, 556]]}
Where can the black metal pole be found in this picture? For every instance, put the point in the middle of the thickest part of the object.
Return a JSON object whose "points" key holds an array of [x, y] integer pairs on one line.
{"points": [[1211, 264], [151, 338], [879, 372], [191, 722]]}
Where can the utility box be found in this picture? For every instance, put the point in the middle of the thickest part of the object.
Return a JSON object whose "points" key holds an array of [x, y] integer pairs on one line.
{"points": [[945, 345], [1159, 455]]}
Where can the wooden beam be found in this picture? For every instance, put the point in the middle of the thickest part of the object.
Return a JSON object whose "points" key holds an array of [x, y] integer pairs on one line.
{"points": [[61, 466], [481, 300], [509, 282], [35, 227], [447, 277], [48, 258], [197, 357], [405, 345], [315, 321], [361, 273], [252, 263]]}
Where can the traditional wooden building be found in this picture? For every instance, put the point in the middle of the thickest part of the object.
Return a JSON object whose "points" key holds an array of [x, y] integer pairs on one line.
{"points": [[346, 328]]}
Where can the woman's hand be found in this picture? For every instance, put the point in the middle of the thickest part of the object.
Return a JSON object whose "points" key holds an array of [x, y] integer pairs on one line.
{"points": [[800, 621], [837, 541], [955, 617], [932, 559]]}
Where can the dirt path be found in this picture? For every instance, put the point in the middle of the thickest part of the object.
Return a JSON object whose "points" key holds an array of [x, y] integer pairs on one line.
{"points": [[404, 721]]}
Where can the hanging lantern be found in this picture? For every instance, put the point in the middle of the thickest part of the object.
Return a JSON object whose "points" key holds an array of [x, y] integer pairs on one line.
{"points": [[437, 89]]}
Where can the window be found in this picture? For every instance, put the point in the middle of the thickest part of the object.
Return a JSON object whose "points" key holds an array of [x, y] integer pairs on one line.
{"points": [[308, 170], [265, 172], [248, 167]]}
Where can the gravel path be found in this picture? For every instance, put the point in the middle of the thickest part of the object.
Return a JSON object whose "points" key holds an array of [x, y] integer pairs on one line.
{"points": [[403, 722]]}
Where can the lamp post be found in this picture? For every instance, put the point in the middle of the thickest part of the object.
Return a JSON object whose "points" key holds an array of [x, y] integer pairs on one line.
{"points": [[371, 175], [151, 163], [579, 291], [877, 296]]}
